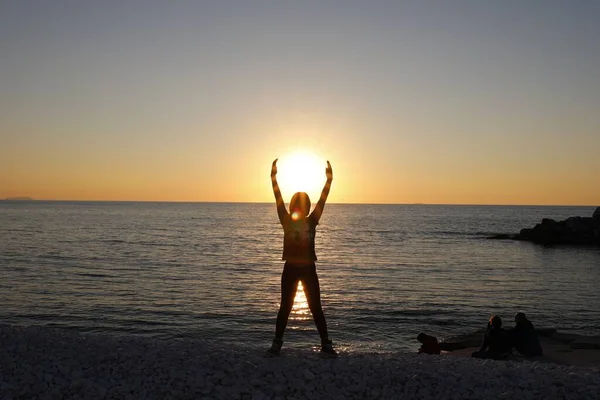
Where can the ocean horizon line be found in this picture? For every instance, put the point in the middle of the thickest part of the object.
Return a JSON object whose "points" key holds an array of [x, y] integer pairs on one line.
{"points": [[27, 199]]}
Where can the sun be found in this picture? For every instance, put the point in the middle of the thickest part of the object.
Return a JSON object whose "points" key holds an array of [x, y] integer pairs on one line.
{"points": [[301, 171]]}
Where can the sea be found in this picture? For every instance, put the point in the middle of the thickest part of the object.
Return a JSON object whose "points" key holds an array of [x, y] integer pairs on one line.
{"points": [[212, 271]]}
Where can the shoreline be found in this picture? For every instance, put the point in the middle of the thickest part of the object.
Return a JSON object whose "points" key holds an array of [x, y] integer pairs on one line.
{"points": [[40, 362]]}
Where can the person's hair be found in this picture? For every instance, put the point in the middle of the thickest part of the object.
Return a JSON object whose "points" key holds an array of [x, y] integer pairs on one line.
{"points": [[520, 317], [421, 337], [300, 201], [496, 321]]}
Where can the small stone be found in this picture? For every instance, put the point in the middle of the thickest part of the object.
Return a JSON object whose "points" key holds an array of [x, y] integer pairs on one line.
{"points": [[218, 376], [309, 376], [278, 389], [207, 389]]}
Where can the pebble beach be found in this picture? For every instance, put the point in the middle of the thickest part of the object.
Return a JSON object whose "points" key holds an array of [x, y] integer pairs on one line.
{"points": [[48, 363]]}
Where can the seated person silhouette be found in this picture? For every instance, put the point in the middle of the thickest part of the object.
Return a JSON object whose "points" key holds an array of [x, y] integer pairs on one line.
{"points": [[524, 337], [429, 344], [496, 341]]}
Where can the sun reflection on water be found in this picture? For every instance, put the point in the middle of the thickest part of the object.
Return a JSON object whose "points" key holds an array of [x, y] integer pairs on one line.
{"points": [[300, 311]]}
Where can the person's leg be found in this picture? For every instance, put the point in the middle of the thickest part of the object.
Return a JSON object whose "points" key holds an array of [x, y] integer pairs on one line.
{"points": [[289, 285], [312, 291]]}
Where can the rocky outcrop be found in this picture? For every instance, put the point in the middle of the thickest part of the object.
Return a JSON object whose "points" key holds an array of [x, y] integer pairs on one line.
{"points": [[572, 231]]}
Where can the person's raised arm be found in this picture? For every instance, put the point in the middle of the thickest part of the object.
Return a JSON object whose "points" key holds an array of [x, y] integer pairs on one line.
{"points": [[316, 214], [281, 210]]}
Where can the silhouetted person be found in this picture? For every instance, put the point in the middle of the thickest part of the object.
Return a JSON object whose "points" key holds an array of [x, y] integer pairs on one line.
{"points": [[299, 230], [524, 337], [496, 341], [429, 344]]}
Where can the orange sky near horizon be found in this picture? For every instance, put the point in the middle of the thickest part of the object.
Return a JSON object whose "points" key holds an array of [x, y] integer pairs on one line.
{"points": [[245, 178], [408, 168], [491, 103]]}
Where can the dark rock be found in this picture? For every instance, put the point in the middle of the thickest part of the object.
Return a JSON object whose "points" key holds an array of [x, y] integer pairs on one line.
{"points": [[502, 236], [572, 231], [546, 232], [525, 234], [579, 225], [596, 219]]}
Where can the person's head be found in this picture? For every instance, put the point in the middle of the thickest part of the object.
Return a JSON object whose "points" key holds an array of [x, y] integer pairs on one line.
{"points": [[299, 205], [520, 317], [422, 337], [496, 321]]}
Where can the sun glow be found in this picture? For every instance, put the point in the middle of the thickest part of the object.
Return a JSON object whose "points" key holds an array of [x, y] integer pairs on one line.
{"points": [[301, 171]]}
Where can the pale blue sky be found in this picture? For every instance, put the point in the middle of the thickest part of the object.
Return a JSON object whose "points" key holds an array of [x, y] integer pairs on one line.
{"points": [[424, 101]]}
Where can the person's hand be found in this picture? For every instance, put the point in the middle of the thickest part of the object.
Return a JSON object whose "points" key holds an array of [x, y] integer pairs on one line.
{"points": [[274, 168], [328, 171]]}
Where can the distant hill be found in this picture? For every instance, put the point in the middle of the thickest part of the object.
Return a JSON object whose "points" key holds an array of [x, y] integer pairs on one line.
{"points": [[18, 198]]}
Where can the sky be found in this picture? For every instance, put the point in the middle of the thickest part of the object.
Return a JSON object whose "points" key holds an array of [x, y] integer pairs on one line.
{"points": [[444, 102]]}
